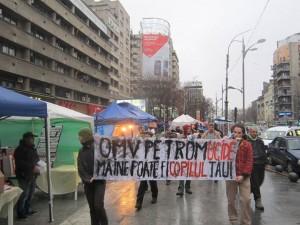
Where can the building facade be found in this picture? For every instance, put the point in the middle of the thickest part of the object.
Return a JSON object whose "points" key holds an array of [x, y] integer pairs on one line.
{"points": [[136, 64], [117, 20], [175, 69], [56, 50], [286, 75], [193, 95], [265, 104]]}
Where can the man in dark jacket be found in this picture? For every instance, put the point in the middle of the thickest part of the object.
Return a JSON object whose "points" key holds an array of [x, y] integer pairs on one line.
{"points": [[144, 185], [94, 189], [259, 162], [26, 159]]}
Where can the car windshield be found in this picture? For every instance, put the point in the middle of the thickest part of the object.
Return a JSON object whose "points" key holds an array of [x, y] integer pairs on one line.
{"points": [[270, 135], [294, 144]]}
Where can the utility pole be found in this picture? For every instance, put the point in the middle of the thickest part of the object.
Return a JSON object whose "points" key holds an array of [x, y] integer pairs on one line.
{"points": [[222, 101], [216, 106], [243, 78], [226, 86]]}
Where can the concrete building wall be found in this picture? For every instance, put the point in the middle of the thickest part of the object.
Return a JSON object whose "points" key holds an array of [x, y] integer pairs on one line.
{"points": [[175, 68], [53, 50], [136, 63], [287, 79], [118, 20]]}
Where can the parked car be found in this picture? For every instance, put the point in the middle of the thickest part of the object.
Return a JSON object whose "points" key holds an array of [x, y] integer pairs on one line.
{"points": [[279, 131], [285, 151]]}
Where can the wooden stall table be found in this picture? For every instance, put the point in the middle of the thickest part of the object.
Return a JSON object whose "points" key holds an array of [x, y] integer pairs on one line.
{"points": [[64, 180], [7, 201]]}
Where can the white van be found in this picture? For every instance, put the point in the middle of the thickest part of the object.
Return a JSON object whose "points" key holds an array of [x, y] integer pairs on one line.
{"points": [[279, 131]]}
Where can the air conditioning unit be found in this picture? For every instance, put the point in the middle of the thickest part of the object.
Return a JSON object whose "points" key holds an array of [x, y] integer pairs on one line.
{"points": [[83, 99], [20, 80], [88, 99], [68, 95], [48, 90]]}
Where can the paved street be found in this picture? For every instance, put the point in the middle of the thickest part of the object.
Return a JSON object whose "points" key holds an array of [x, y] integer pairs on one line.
{"points": [[207, 205]]}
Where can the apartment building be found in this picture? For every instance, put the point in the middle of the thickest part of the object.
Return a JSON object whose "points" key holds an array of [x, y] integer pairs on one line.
{"points": [[117, 20], [56, 50], [136, 64], [286, 74], [265, 104]]}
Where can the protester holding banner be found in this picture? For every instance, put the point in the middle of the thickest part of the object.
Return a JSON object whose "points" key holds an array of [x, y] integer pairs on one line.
{"points": [[144, 186], [244, 163], [211, 133], [259, 162], [93, 189], [185, 185]]}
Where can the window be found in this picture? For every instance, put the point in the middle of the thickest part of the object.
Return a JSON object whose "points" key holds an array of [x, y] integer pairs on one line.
{"points": [[8, 50], [282, 144], [60, 69], [36, 59], [7, 18]]}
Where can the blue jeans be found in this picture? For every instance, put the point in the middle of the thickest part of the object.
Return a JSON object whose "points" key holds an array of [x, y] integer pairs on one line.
{"points": [[24, 202]]}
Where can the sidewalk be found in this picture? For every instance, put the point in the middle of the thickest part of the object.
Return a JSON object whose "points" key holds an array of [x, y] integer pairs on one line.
{"points": [[206, 206]]}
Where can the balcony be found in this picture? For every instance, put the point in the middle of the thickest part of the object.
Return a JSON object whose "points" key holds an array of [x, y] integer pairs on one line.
{"points": [[26, 69], [284, 94], [283, 77], [283, 68]]}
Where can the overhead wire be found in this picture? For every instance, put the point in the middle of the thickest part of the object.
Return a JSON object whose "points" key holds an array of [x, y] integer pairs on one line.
{"points": [[252, 33]]}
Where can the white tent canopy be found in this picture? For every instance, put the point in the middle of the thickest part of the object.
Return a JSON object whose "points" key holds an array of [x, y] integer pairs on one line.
{"points": [[183, 120], [56, 111]]}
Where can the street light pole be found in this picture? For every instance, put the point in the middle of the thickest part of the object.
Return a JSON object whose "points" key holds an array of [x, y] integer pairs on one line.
{"points": [[244, 53], [243, 78], [222, 101], [227, 67], [226, 83]]}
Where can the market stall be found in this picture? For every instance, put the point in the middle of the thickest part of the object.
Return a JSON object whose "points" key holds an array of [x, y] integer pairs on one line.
{"points": [[15, 104], [122, 119], [182, 120], [65, 124]]}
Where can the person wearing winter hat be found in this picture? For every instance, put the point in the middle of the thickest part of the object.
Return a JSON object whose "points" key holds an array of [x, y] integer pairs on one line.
{"points": [[94, 189]]}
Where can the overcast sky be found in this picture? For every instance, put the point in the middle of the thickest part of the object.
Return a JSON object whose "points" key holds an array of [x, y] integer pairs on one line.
{"points": [[202, 29]]}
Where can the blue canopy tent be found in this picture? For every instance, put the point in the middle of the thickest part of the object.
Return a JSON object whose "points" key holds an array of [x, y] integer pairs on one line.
{"points": [[15, 104], [141, 116], [106, 120]]}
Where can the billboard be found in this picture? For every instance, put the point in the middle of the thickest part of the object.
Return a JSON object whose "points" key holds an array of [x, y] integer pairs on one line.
{"points": [[156, 48]]}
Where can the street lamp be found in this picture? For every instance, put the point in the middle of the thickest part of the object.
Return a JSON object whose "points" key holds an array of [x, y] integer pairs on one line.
{"points": [[244, 53], [227, 67], [234, 88]]}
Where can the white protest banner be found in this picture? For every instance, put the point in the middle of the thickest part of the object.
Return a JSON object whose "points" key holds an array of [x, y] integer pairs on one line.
{"points": [[164, 159]]}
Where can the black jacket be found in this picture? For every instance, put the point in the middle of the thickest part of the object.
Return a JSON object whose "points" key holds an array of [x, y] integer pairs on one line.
{"points": [[85, 162], [259, 151], [26, 158]]}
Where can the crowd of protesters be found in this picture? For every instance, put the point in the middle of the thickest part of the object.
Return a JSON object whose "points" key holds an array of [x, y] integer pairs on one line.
{"points": [[250, 169]]}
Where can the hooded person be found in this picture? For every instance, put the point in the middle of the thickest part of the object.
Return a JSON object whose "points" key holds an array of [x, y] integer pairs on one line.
{"points": [[27, 170], [259, 162], [94, 189]]}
